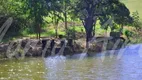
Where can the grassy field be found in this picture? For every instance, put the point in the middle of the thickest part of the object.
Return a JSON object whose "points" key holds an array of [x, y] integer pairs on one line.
{"points": [[134, 5]]}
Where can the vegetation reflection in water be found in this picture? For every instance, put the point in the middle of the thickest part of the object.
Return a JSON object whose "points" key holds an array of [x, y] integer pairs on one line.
{"points": [[128, 67]]}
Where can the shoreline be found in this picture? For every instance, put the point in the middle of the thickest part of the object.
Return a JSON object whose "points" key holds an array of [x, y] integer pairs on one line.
{"points": [[34, 48]]}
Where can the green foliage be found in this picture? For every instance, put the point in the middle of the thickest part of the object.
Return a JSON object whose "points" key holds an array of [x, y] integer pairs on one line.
{"points": [[128, 33], [137, 23], [122, 15], [116, 14], [36, 10], [12, 8]]}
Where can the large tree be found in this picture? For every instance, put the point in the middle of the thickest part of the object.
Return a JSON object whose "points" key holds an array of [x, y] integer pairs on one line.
{"points": [[90, 10]]}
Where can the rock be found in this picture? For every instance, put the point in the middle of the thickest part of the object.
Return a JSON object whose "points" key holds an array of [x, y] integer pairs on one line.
{"points": [[24, 42], [3, 48], [34, 52]]}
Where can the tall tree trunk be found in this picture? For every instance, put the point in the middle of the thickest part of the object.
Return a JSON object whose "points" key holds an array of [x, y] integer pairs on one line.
{"points": [[88, 28], [88, 37], [56, 30], [36, 35], [36, 31], [65, 16], [39, 31], [55, 24], [66, 24]]}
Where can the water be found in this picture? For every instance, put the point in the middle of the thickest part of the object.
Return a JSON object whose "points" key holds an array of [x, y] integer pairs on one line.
{"points": [[128, 66]]}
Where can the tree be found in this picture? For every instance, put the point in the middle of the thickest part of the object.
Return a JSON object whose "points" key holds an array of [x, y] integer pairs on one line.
{"points": [[55, 10], [86, 9], [36, 9], [91, 10], [65, 8], [61, 9]]}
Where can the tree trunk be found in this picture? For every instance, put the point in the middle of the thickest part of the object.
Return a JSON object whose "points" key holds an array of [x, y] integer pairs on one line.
{"points": [[55, 24], [39, 29], [36, 30], [88, 37], [65, 16], [88, 28], [56, 30], [66, 25], [36, 35]]}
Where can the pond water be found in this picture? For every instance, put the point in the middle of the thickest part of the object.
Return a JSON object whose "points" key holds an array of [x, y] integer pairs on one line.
{"points": [[128, 66]]}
